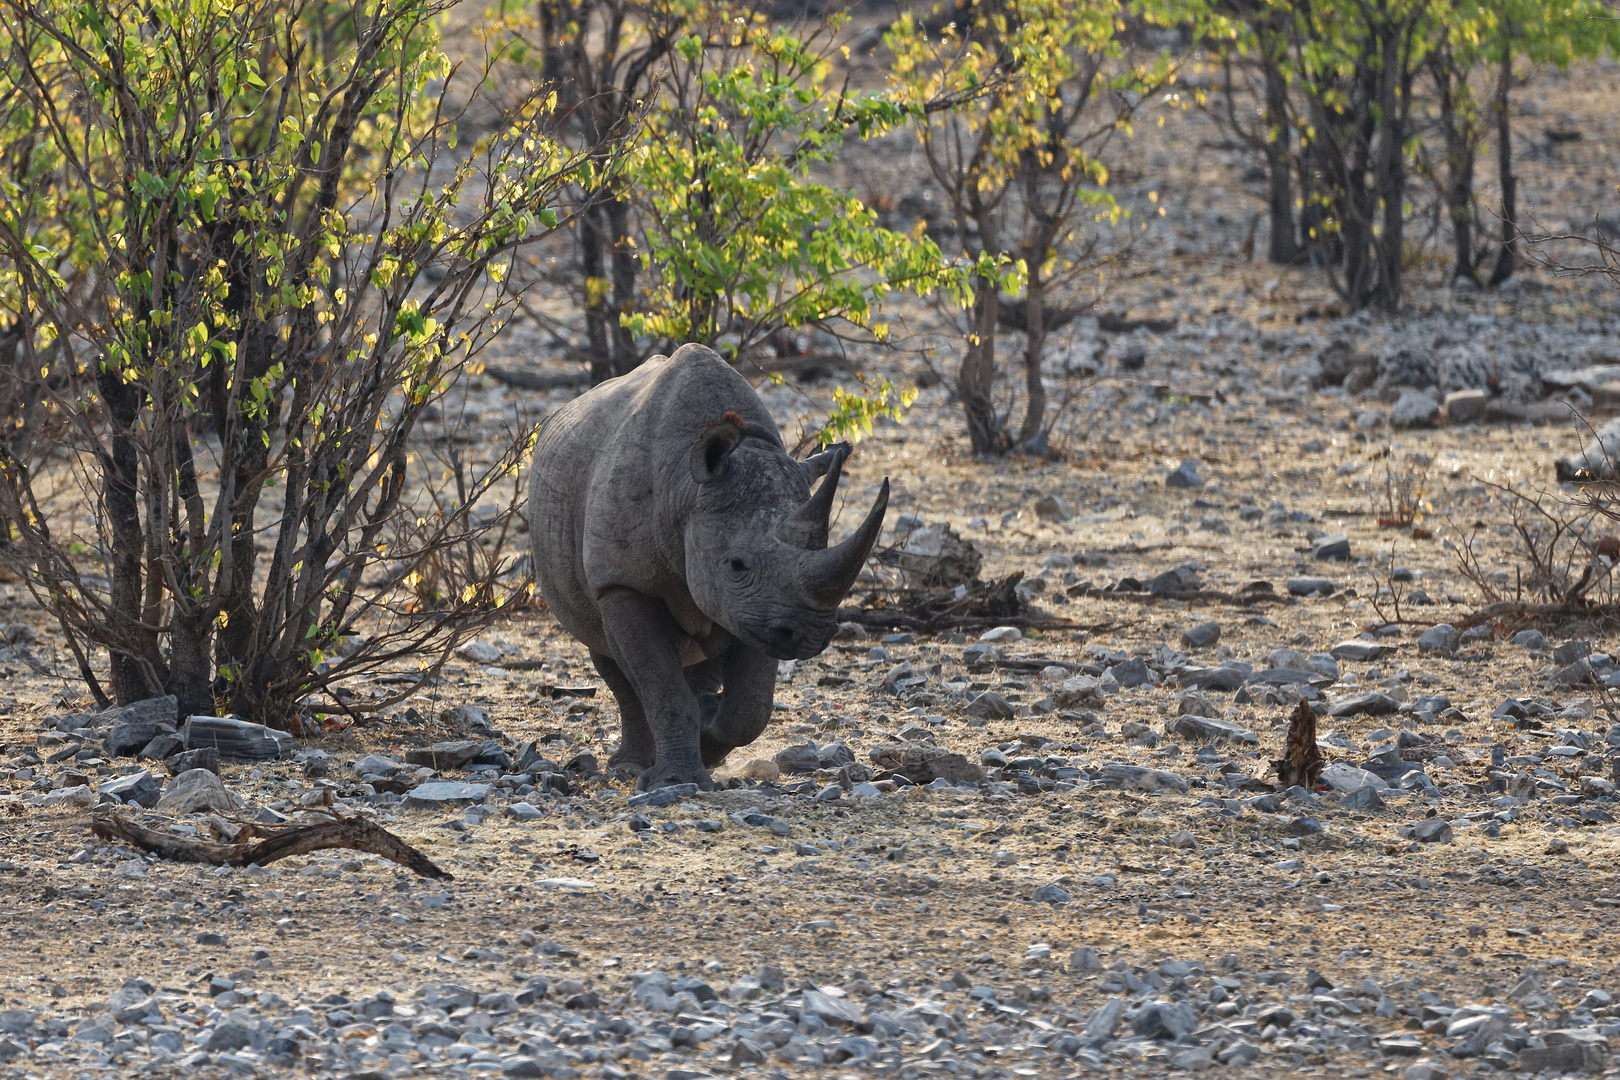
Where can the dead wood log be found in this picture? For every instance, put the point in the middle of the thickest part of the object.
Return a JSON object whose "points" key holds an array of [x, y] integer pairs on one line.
{"points": [[279, 842], [538, 380], [1514, 611], [1301, 762]]}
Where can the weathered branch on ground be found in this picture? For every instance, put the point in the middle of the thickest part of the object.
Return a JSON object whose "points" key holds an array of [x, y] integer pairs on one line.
{"points": [[1208, 596], [280, 842], [1520, 611], [538, 380]]}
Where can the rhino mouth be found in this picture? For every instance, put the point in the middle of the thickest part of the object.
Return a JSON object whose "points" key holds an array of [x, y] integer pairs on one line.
{"points": [[791, 635]]}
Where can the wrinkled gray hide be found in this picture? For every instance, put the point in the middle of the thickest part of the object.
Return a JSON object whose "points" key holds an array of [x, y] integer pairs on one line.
{"points": [[676, 538]]}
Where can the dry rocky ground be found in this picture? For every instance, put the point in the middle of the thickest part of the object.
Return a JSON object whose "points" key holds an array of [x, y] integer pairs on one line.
{"points": [[1103, 881]]}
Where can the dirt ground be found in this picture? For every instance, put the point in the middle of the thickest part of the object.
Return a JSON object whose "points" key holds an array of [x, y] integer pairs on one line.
{"points": [[952, 922]]}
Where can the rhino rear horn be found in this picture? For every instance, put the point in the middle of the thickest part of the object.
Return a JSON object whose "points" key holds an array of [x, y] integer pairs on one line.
{"points": [[826, 575], [807, 526]]}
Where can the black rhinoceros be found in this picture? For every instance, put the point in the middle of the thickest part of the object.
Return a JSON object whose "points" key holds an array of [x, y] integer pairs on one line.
{"points": [[676, 538]]}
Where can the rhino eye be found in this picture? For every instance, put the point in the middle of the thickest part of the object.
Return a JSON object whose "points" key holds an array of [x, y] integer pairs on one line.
{"points": [[738, 566]]}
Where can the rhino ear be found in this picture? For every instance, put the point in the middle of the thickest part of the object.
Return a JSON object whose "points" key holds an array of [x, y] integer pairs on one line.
{"points": [[711, 453]]}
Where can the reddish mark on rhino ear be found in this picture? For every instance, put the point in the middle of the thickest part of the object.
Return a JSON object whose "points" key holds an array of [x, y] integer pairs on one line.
{"points": [[732, 418]]}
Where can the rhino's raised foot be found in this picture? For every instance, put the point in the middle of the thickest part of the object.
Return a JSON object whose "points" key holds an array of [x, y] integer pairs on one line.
{"points": [[669, 775]]}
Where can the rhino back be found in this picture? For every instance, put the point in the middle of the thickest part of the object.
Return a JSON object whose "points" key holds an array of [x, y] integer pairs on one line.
{"points": [[610, 484]]}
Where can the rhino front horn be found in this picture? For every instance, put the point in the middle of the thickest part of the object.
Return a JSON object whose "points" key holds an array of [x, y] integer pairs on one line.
{"points": [[826, 575], [807, 526]]}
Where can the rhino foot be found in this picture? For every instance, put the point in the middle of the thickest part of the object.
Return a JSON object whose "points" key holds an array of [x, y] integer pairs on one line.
{"points": [[626, 760], [668, 774]]}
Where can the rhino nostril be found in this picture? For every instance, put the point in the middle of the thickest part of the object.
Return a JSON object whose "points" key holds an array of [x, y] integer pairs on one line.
{"points": [[782, 635]]}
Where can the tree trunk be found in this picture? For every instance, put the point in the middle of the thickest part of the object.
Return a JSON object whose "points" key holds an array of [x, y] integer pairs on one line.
{"points": [[1390, 175], [593, 237], [1284, 249], [1506, 257], [626, 357], [975, 379], [1459, 179], [135, 663], [1032, 434]]}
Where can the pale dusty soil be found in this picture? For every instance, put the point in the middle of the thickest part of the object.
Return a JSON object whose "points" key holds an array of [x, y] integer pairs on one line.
{"points": [[925, 884]]}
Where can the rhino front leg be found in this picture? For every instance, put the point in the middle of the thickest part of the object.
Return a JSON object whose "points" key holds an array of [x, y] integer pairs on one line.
{"points": [[646, 643], [637, 751], [745, 704]]}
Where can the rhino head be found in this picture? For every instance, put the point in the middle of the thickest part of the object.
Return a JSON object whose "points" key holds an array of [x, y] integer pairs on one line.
{"points": [[757, 560]]}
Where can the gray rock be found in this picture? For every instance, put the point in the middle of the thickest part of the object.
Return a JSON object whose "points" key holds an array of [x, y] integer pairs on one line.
{"points": [[1569, 652], [1085, 958], [1283, 676], [1204, 727], [162, 748], [237, 740], [445, 755], [1105, 1020], [16, 1021], [1227, 676], [1079, 691], [1311, 586], [1362, 799], [469, 719], [798, 760], [1176, 582], [1440, 638], [137, 787], [990, 706], [1201, 636], [1132, 673], [158, 710], [523, 811], [441, 793], [375, 765], [1165, 1020], [1053, 508], [1137, 778], [1531, 639], [1185, 475], [1348, 779], [1413, 409], [1332, 549], [129, 738], [1358, 651], [1051, 894], [229, 1035], [202, 758], [197, 791], [1323, 664], [1435, 830], [992, 758], [1369, 704], [664, 796], [1465, 406]]}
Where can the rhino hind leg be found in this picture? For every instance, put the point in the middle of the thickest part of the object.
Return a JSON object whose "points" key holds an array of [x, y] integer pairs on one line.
{"points": [[646, 642], [637, 750], [749, 678]]}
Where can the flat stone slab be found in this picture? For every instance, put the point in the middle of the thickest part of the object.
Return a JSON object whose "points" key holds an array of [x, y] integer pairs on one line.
{"points": [[437, 793], [1372, 704], [1358, 651], [1204, 727]]}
